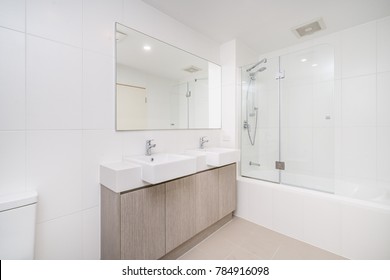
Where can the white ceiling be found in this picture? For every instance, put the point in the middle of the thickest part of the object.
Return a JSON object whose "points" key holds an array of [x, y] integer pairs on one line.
{"points": [[265, 25]]}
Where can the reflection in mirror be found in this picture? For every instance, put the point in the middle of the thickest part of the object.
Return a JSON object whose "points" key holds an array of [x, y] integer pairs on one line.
{"points": [[159, 86]]}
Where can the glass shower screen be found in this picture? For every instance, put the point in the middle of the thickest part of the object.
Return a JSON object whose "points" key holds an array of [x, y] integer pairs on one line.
{"points": [[287, 133]]}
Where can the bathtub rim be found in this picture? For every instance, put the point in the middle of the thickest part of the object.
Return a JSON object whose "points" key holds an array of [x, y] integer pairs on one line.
{"points": [[308, 192]]}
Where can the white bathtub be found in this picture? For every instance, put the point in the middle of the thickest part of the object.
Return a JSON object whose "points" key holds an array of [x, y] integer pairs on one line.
{"points": [[347, 226]]}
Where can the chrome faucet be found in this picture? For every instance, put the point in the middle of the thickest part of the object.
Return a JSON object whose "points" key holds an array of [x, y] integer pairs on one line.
{"points": [[148, 147], [202, 140]]}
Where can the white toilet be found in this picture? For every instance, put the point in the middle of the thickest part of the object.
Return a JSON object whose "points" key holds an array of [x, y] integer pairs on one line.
{"points": [[17, 226]]}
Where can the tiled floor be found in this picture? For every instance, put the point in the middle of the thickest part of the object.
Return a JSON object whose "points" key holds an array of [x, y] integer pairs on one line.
{"points": [[243, 240]]}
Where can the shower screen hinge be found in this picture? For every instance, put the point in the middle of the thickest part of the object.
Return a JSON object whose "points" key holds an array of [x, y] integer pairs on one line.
{"points": [[280, 75], [279, 165]]}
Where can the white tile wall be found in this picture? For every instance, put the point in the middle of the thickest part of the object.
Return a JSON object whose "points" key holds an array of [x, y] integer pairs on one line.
{"points": [[98, 85], [142, 17], [91, 234], [383, 104], [98, 146], [383, 56], [228, 54], [358, 54], [61, 238], [287, 213], [323, 160], [359, 152], [261, 198], [297, 149], [12, 79], [98, 24], [322, 225], [359, 101], [54, 85], [297, 104], [365, 233], [12, 14], [383, 156], [54, 169], [12, 161], [56, 20], [323, 104], [243, 207], [57, 110]]}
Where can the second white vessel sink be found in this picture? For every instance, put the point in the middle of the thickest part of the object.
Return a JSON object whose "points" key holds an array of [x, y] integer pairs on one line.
{"points": [[158, 168], [218, 156]]}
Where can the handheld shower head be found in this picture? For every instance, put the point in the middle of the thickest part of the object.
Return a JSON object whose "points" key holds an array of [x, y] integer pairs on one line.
{"points": [[252, 75]]}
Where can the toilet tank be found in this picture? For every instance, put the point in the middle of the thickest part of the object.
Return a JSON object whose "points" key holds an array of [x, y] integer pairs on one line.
{"points": [[17, 226]]}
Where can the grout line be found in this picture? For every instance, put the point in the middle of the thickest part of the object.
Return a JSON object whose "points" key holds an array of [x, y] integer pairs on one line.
{"points": [[276, 251], [25, 98]]}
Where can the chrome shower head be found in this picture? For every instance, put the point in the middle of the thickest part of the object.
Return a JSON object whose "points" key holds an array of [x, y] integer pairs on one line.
{"points": [[264, 60]]}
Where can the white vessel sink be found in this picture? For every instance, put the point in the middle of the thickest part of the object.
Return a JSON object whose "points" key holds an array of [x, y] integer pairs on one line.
{"points": [[120, 176], [158, 168], [218, 156]]}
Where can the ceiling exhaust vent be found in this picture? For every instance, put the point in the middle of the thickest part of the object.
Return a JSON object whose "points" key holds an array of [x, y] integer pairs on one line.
{"points": [[192, 69], [309, 28]]}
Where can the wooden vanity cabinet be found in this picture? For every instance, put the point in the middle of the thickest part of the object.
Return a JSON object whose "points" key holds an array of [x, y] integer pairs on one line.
{"points": [[133, 224], [227, 189], [206, 197], [150, 222], [143, 224], [180, 211]]}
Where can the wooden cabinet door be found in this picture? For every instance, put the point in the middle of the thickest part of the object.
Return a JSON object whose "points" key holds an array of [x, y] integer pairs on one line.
{"points": [[227, 190], [207, 210], [180, 211], [154, 222], [143, 223]]}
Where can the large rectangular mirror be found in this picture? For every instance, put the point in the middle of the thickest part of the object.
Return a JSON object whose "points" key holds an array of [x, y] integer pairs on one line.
{"points": [[159, 86]]}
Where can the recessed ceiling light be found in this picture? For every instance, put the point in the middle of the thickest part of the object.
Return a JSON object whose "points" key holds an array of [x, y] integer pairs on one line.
{"points": [[314, 65], [147, 48], [303, 59]]}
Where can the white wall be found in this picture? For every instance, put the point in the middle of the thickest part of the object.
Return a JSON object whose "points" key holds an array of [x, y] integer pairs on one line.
{"points": [[57, 110], [233, 54]]}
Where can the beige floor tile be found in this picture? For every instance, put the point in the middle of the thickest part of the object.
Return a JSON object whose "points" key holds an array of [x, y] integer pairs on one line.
{"points": [[293, 249], [236, 231], [241, 254], [243, 240], [216, 248], [193, 254], [264, 248], [270, 235]]}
